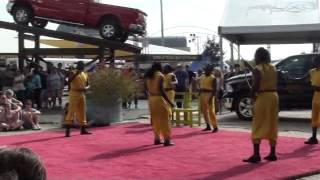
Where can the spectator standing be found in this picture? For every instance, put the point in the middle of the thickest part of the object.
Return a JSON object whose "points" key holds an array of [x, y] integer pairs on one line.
{"points": [[220, 86], [29, 87], [183, 82], [55, 84], [44, 93], [36, 88], [63, 74], [18, 85], [1, 82], [131, 74]]}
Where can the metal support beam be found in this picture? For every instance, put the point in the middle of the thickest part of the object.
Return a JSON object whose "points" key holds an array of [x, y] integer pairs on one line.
{"points": [[239, 53], [231, 54], [36, 47], [221, 53], [71, 37], [112, 58], [62, 51], [21, 53]]}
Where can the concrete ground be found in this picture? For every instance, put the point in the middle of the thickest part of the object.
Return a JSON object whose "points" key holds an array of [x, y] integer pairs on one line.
{"points": [[292, 123]]}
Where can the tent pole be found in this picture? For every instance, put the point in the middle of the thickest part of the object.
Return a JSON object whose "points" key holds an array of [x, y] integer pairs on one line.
{"points": [[231, 54], [239, 53], [21, 55], [221, 53]]}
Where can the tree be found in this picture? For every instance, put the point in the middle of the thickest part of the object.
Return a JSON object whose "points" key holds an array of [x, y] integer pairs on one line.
{"points": [[212, 50]]}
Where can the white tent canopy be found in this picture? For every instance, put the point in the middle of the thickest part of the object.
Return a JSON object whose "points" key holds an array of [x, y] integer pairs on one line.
{"points": [[271, 21]]}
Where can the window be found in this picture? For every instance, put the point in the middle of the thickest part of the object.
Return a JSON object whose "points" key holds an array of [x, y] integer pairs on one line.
{"points": [[296, 66]]}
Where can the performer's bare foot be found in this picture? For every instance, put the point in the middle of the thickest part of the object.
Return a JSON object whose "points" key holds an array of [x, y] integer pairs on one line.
{"points": [[253, 159]]}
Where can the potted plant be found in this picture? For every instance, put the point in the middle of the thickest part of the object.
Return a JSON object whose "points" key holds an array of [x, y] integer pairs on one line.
{"points": [[108, 87]]}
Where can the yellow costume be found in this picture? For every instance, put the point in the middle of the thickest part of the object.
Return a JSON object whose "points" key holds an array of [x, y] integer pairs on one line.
{"points": [[159, 109], [315, 81], [208, 109], [77, 100], [168, 86], [265, 113]]}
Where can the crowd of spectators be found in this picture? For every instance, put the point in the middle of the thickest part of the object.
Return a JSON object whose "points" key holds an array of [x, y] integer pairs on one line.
{"points": [[14, 115], [26, 92], [43, 87]]}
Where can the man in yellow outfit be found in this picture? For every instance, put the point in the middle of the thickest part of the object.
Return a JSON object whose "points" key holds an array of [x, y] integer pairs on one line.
{"points": [[79, 83], [170, 81], [207, 96], [159, 105], [315, 82]]}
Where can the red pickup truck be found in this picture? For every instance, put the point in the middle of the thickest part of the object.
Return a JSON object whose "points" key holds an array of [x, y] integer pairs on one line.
{"points": [[113, 22]]}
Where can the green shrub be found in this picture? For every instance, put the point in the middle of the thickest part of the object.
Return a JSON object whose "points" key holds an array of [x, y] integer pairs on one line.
{"points": [[109, 85]]}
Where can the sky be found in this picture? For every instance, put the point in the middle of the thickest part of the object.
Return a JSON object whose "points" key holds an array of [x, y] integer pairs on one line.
{"points": [[181, 18]]}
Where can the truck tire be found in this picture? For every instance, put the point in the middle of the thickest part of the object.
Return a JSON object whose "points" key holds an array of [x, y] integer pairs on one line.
{"points": [[22, 15], [40, 23], [244, 107], [109, 29]]}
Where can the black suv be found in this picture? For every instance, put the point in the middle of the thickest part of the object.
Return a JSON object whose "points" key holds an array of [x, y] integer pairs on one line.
{"points": [[294, 88]]}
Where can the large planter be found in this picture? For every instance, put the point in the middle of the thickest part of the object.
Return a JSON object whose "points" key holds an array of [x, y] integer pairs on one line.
{"points": [[104, 114]]}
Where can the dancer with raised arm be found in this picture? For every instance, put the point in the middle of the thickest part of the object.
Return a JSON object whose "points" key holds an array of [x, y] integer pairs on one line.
{"points": [[265, 112]]}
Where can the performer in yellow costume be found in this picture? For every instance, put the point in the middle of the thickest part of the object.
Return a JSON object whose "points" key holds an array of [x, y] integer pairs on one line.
{"points": [[265, 112], [170, 80], [315, 82], [159, 105], [77, 100], [207, 97]]}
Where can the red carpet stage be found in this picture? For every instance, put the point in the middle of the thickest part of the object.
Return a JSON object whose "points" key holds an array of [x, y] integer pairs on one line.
{"points": [[126, 152]]}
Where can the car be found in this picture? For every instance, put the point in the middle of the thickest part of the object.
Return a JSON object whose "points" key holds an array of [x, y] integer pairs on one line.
{"points": [[294, 88], [113, 22]]}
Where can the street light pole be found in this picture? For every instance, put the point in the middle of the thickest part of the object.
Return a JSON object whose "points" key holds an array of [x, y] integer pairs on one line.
{"points": [[162, 29]]}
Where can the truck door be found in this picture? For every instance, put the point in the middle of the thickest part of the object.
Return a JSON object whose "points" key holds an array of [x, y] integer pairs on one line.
{"points": [[49, 8], [294, 81], [75, 10]]}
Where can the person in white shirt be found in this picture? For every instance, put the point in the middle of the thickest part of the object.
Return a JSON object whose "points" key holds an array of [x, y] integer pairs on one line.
{"points": [[55, 84], [18, 85]]}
